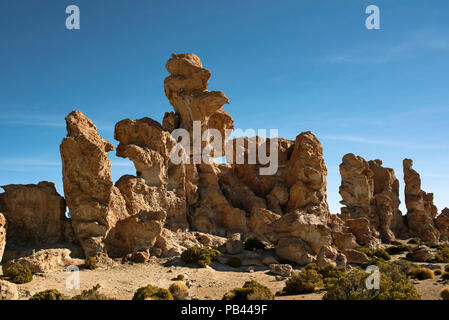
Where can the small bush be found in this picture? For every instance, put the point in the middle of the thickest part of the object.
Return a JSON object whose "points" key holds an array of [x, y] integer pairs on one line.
{"points": [[444, 293], [251, 290], [422, 274], [92, 294], [253, 244], [375, 253], [329, 273], [305, 281], [438, 272], [445, 276], [91, 263], [234, 262], [442, 255], [397, 249], [51, 294], [353, 287], [374, 261], [18, 273], [414, 241], [179, 290], [202, 256], [180, 277], [152, 293]]}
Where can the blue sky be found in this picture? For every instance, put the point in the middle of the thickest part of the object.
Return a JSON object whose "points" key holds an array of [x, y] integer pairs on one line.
{"points": [[292, 65]]}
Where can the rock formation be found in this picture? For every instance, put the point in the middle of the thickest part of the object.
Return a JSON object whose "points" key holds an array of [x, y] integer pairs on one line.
{"points": [[441, 223], [371, 191], [35, 214], [94, 202], [421, 211], [2, 235]]}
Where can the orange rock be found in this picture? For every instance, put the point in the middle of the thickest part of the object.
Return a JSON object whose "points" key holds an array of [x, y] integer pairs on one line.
{"points": [[2, 235], [442, 224]]}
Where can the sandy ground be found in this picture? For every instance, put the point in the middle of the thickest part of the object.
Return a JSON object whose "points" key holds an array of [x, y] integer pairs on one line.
{"points": [[121, 280]]}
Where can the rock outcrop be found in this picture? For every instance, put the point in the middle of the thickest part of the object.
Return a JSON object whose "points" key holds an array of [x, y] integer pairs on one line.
{"points": [[35, 214], [421, 211], [8, 290], [441, 223], [95, 204], [2, 235], [371, 191]]}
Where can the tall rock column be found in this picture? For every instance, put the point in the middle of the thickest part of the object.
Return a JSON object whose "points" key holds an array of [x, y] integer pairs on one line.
{"points": [[94, 202], [421, 211]]}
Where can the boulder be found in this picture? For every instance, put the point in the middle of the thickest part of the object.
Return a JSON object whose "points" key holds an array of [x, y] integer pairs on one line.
{"points": [[421, 254], [284, 270], [294, 249], [355, 256], [327, 255], [234, 245], [47, 260], [35, 214], [8, 290], [441, 223], [95, 204]]}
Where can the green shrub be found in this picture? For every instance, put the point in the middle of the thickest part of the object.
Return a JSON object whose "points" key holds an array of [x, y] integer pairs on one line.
{"points": [[234, 262], [152, 293], [251, 290], [444, 293], [92, 294], [414, 241], [442, 255], [422, 274], [329, 273], [180, 277], [252, 244], [375, 253], [374, 261], [305, 281], [18, 273], [353, 287], [51, 294], [397, 249], [202, 256], [398, 269], [91, 263]]}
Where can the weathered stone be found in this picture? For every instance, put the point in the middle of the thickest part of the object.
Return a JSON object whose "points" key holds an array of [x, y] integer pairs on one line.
{"points": [[234, 244], [269, 260], [136, 233], [47, 260], [363, 231], [2, 235], [35, 214], [95, 204], [441, 223], [284, 270], [421, 211], [294, 249], [140, 256], [421, 254], [327, 255], [355, 256], [8, 290]]}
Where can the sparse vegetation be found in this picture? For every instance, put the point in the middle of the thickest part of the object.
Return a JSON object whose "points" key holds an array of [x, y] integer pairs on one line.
{"points": [[397, 249], [152, 293], [375, 253], [444, 293], [91, 263], [18, 273], [305, 281], [329, 273], [353, 287], [180, 277], [92, 294], [234, 262], [442, 255], [251, 290], [179, 290], [422, 274], [202, 256], [51, 294], [414, 241], [253, 244]]}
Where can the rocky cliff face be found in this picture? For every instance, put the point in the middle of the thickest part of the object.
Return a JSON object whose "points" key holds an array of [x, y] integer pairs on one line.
{"points": [[35, 214], [94, 202], [421, 211], [442, 224], [2, 235]]}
